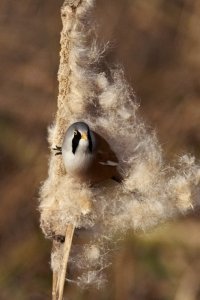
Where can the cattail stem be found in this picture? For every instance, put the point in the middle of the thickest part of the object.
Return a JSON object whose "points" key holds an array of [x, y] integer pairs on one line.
{"points": [[64, 85], [59, 277], [54, 285]]}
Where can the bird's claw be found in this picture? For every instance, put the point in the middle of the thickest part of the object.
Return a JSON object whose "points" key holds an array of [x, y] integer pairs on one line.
{"points": [[59, 149]]}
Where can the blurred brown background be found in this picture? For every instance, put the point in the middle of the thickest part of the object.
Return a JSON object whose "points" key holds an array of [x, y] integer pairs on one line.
{"points": [[158, 43]]}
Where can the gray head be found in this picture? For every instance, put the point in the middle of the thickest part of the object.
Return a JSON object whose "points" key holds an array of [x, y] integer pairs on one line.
{"points": [[79, 137]]}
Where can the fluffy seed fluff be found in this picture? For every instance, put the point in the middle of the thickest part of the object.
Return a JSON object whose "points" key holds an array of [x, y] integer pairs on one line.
{"points": [[151, 192]]}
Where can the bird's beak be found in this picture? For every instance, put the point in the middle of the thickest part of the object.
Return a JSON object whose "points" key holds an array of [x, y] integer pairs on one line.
{"points": [[84, 136]]}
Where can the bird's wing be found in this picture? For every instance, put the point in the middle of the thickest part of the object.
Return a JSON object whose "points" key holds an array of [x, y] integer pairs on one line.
{"points": [[105, 155]]}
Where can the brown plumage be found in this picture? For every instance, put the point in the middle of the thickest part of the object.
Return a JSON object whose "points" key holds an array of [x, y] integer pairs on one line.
{"points": [[105, 162]]}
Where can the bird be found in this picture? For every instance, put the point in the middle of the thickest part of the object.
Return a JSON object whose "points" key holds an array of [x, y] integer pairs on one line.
{"points": [[87, 156]]}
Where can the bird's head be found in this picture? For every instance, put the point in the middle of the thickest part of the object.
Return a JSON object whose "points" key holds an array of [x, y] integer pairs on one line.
{"points": [[79, 138]]}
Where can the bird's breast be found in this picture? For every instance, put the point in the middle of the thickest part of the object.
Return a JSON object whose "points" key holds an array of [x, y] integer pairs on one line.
{"points": [[77, 164]]}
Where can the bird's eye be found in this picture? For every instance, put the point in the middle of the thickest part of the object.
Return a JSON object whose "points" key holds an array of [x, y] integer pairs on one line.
{"points": [[75, 132]]}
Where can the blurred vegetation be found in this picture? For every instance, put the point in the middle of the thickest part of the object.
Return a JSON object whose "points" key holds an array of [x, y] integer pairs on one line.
{"points": [[158, 43]]}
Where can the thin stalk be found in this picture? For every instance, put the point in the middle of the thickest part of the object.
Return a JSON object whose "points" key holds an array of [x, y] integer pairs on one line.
{"points": [[54, 285], [59, 278]]}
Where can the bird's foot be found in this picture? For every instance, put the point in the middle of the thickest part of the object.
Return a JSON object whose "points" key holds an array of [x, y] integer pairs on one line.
{"points": [[58, 149]]}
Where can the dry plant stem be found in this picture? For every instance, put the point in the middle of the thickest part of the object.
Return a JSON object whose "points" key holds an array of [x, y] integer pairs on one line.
{"points": [[59, 278], [54, 286]]}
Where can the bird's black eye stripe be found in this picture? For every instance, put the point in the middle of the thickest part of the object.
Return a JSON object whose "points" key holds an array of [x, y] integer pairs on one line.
{"points": [[75, 141], [90, 141]]}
